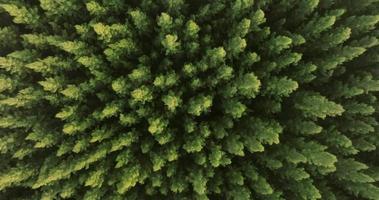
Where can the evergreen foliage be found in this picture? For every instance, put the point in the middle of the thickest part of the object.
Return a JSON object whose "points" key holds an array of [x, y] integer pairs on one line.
{"points": [[179, 99]]}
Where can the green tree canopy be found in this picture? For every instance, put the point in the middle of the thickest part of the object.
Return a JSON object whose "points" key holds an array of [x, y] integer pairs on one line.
{"points": [[189, 99]]}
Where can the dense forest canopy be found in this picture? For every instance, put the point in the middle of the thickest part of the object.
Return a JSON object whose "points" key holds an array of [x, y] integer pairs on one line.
{"points": [[189, 99]]}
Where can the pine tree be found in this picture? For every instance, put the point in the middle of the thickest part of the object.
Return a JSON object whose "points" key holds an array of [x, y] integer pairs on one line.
{"points": [[179, 99]]}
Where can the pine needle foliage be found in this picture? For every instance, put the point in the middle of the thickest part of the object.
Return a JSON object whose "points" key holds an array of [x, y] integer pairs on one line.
{"points": [[180, 99]]}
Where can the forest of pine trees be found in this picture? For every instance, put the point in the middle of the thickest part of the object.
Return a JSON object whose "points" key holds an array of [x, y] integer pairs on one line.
{"points": [[189, 99]]}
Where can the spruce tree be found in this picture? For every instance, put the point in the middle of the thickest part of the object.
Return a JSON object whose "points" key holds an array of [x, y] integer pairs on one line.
{"points": [[179, 99]]}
